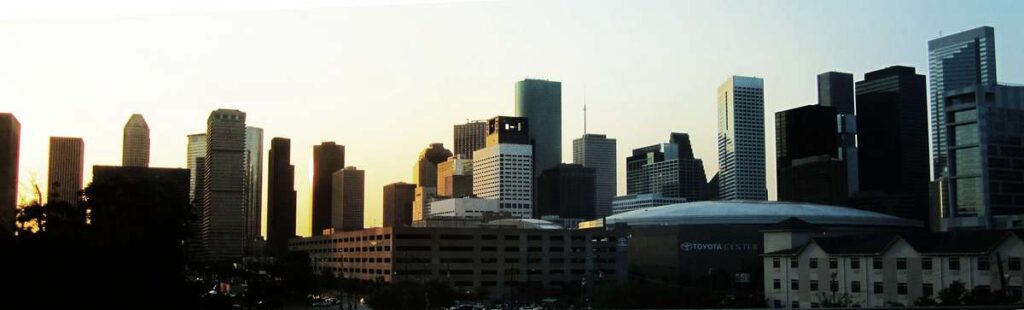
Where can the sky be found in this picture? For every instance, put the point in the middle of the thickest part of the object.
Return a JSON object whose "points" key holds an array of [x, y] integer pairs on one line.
{"points": [[387, 78]]}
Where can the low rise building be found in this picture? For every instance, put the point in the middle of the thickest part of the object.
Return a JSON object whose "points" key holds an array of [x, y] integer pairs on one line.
{"points": [[465, 207], [628, 203]]}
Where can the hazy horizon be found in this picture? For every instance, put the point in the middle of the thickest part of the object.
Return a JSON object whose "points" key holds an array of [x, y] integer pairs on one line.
{"points": [[388, 80]]}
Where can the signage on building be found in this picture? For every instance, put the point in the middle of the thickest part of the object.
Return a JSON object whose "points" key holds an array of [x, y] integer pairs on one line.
{"points": [[708, 246]]}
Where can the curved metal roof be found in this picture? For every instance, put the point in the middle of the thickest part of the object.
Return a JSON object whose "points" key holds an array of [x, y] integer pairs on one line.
{"points": [[525, 223], [750, 212]]}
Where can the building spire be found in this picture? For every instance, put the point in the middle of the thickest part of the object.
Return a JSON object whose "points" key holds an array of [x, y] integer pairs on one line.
{"points": [[584, 109]]}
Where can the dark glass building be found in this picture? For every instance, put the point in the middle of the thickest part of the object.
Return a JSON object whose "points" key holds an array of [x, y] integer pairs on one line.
{"points": [[10, 142], [425, 172], [398, 199], [566, 191], [892, 134], [349, 203], [224, 186], [280, 197], [835, 89], [328, 158], [807, 151], [986, 157], [470, 137], [540, 101], [669, 169], [956, 61]]}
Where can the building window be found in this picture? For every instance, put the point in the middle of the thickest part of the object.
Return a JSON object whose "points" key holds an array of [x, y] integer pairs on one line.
{"points": [[926, 263], [901, 288], [901, 263], [855, 287], [927, 289], [876, 263], [954, 263], [794, 285], [982, 263], [814, 286], [1015, 292], [879, 289], [794, 263], [855, 263], [1013, 263], [777, 284], [776, 262], [795, 305], [833, 286], [815, 305], [813, 262], [833, 263]]}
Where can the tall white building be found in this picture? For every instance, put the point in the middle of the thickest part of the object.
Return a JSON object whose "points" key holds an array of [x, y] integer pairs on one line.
{"points": [[503, 170], [741, 139], [598, 152], [253, 185]]}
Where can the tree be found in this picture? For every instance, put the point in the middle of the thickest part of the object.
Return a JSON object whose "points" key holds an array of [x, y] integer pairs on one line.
{"points": [[953, 295]]}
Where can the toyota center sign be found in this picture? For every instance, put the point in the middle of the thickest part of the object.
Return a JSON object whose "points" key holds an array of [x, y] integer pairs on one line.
{"points": [[716, 247]]}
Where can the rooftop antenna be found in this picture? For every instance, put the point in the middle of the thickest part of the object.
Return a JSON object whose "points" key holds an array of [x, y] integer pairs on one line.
{"points": [[584, 109]]}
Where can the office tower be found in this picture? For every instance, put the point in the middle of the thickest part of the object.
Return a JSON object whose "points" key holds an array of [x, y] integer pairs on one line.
{"points": [[835, 89], [741, 139], [470, 137], [892, 135], [347, 190], [807, 156], [503, 170], [455, 177], [667, 169], [986, 157], [196, 154], [956, 61], [280, 197], [598, 152], [422, 197], [540, 102], [67, 159], [566, 191], [398, 199], [253, 186], [10, 144], [135, 148], [327, 159], [424, 172], [224, 186]]}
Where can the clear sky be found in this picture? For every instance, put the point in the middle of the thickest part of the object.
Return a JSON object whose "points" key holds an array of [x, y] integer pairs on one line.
{"points": [[386, 79]]}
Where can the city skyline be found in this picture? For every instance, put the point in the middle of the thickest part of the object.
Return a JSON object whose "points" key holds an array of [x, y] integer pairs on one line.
{"points": [[784, 89]]}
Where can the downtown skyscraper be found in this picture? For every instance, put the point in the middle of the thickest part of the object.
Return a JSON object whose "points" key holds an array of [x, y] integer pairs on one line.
{"points": [[398, 198], [10, 144], [667, 170], [892, 111], [67, 161], [135, 144], [196, 156], [503, 170], [598, 152], [741, 139], [957, 61], [253, 186], [808, 167], [470, 137], [348, 190], [328, 158], [280, 197], [540, 102], [224, 187]]}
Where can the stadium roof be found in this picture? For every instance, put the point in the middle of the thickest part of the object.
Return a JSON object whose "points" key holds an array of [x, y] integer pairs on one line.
{"points": [[749, 212]]}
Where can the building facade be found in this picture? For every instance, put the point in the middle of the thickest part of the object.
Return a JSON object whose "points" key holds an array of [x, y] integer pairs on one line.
{"points": [[328, 158], [349, 203], [224, 187], [887, 270], [956, 61], [501, 259], [892, 141], [808, 168], [10, 143], [67, 161], [985, 156], [424, 172], [470, 137], [280, 197], [503, 170], [741, 155], [668, 169], [463, 208], [540, 101], [196, 153], [598, 152], [566, 191], [628, 203], [398, 199], [835, 90], [455, 177], [135, 142], [253, 187]]}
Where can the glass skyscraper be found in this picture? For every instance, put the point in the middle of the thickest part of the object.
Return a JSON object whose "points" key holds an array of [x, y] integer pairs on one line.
{"points": [[741, 139], [540, 101], [956, 61]]}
